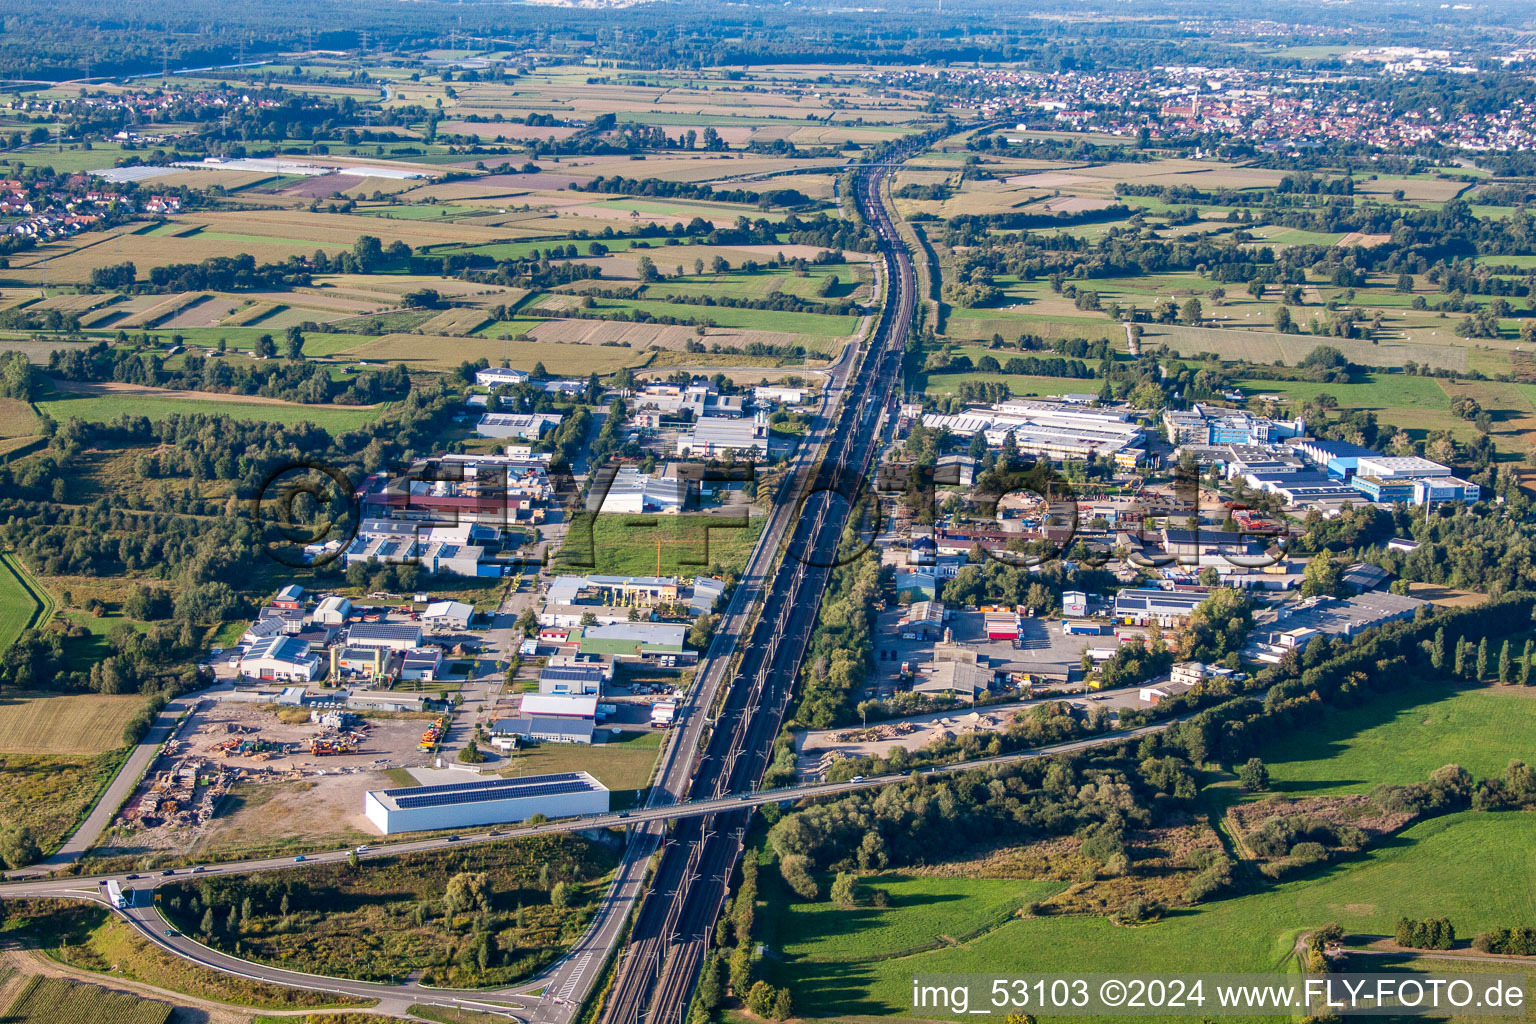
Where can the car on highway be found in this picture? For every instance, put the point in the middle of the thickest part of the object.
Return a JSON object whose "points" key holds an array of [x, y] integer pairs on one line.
{"points": [[170, 933], [130, 877], [857, 778], [454, 839], [199, 870], [168, 871], [362, 849], [299, 859]]}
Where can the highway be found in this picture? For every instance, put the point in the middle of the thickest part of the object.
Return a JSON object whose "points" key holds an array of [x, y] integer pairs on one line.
{"points": [[660, 963], [557, 994], [708, 778]]}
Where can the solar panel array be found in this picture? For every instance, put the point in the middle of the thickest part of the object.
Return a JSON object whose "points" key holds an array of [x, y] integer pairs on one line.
{"points": [[482, 794], [485, 784]]}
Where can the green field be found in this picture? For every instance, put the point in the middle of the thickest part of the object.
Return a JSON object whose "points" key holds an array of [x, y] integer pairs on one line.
{"points": [[105, 408], [23, 603], [816, 325], [623, 763], [1478, 869], [921, 910], [1019, 384], [626, 545], [1401, 737], [57, 1001]]}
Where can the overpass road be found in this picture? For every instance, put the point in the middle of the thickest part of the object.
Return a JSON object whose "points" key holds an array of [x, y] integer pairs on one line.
{"points": [[716, 754]]}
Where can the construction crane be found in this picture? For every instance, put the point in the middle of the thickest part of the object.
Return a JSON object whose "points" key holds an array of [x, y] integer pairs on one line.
{"points": [[660, 542]]}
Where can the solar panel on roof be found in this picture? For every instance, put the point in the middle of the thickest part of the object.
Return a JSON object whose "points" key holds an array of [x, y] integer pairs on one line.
{"points": [[487, 783], [481, 795]]}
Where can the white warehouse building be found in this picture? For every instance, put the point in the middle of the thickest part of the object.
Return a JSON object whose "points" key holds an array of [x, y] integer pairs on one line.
{"points": [[491, 801]]}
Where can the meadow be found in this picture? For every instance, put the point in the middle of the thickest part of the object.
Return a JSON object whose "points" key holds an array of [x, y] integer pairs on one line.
{"points": [[626, 545], [23, 602], [1476, 868], [50, 794], [1403, 735], [88, 937]]}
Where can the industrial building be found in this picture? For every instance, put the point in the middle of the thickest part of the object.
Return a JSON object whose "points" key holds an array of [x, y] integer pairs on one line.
{"points": [[1000, 623], [925, 619], [571, 680], [1051, 430], [1338, 459], [484, 802], [1205, 424], [1143, 606], [1410, 480], [421, 664], [387, 635], [715, 435], [643, 640], [447, 615], [280, 658], [541, 729], [525, 426], [631, 491], [333, 611], [1294, 626], [498, 377]]}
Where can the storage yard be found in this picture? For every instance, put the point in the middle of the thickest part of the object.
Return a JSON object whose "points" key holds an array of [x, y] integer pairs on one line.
{"points": [[229, 746]]}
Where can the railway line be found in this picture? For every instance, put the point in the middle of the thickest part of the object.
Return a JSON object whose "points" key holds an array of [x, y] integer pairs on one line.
{"points": [[656, 973]]}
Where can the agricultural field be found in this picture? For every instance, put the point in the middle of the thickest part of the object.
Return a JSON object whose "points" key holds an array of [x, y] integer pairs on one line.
{"points": [[59, 1001], [105, 403], [57, 723]]}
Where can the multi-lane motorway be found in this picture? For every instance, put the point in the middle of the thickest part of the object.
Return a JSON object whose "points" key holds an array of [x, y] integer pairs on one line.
{"points": [[701, 800], [661, 961], [554, 993]]}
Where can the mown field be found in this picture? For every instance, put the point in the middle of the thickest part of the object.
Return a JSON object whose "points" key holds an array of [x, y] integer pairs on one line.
{"points": [[1402, 736], [73, 724], [23, 602]]}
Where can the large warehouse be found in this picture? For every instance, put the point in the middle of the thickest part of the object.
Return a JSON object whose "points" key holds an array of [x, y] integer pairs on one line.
{"points": [[492, 801]]}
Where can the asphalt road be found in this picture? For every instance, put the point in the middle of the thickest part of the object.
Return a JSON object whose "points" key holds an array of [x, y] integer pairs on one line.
{"points": [[562, 984], [121, 788]]}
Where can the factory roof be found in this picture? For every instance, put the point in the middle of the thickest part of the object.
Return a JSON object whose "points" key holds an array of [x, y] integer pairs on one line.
{"points": [[483, 790]]}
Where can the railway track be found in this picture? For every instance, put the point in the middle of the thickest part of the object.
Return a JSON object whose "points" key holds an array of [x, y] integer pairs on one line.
{"points": [[660, 965]]}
